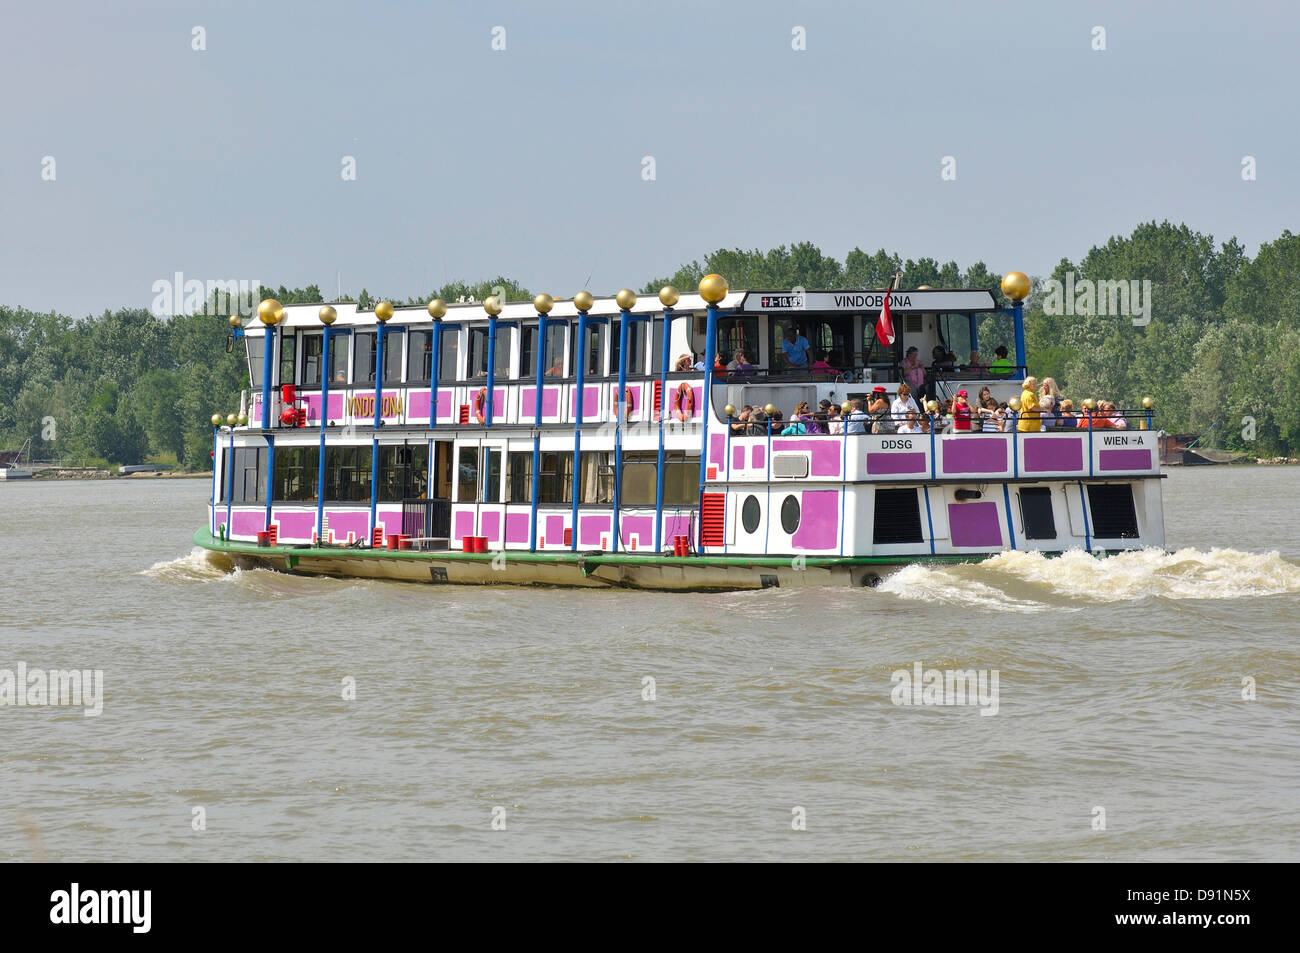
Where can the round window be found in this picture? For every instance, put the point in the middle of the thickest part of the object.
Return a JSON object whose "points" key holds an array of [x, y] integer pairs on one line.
{"points": [[749, 514], [790, 514]]}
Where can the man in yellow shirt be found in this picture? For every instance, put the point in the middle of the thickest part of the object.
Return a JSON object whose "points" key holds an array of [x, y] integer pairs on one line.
{"points": [[1029, 420]]}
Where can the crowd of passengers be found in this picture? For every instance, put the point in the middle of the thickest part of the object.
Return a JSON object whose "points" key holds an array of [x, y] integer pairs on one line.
{"points": [[1040, 407]]}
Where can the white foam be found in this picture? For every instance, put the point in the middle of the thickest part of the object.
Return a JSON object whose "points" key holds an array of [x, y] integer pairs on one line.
{"points": [[199, 565], [952, 586]]}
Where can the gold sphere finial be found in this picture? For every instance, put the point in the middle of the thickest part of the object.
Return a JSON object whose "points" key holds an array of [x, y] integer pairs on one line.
{"points": [[769, 409], [626, 299], [492, 305], [1090, 403], [230, 419], [729, 410], [216, 420], [922, 287], [436, 309], [713, 288], [668, 296], [1014, 403], [1148, 402], [932, 406], [1015, 285], [242, 419], [583, 301], [270, 312], [383, 311], [327, 315], [543, 303], [235, 321]]}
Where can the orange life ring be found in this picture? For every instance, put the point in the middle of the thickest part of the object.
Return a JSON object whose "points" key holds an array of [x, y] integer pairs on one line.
{"points": [[480, 403], [684, 402], [626, 403]]}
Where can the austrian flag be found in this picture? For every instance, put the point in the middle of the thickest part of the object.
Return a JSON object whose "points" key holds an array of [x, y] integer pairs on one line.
{"points": [[885, 326]]}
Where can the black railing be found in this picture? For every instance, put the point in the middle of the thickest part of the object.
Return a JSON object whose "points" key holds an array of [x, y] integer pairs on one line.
{"points": [[426, 518]]}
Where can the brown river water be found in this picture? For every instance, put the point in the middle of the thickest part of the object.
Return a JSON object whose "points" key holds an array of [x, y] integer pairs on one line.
{"points": [[517, 724]]}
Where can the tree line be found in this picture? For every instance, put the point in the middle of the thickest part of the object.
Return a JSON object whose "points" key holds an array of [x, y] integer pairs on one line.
{"points": [[1219, 352]]}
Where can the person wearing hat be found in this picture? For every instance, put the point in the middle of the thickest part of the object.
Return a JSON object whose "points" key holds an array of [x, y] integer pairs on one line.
{"points": [[961, 413], [878, 408]]}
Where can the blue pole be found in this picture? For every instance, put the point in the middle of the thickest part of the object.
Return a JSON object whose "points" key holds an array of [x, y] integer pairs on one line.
{"points": [[706, 411], [324, 419], [1018, 318], [492, 370], [230, 481], [268, 355], [663, 412], [216, 449], [537, 427], [619, 402], [579, 353], [433, 374]]}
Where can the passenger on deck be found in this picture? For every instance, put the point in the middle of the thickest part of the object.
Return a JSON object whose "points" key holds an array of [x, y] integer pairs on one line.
{"points": [[795, 347], [1001, 366], [911, 423], [878, 410], [903, 404], [914, 371], [698, 365], [740, 423], [990, 416], [974, 364], [961, 413], [822, 368], [1068, 420], [803, 415], [835, 419], [856, 421], [741, 364], [1117, 420], [1049, 396], [758, 422], [683, 364], [1029, 421]]}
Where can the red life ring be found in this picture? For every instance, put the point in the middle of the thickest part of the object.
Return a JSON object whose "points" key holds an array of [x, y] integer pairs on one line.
{"points": [[684, 402], [480, 404]]}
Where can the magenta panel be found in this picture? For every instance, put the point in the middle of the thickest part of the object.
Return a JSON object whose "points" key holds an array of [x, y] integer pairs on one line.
{"points": [[738, 457], [555, 530], [517, 527], [342, 522], [247, 522], [975, 524], [444, 404], [887, 463], [717, 448], [758, 456], [1125, 460], [295, 525], [590, 402], [463, 524], [642, 526], [489, 525], [417, 403], [592, 527], [819, 520], [676, 526], [390, 520], [973, 454], [1047, 454], [313, 406], [825, 454]]}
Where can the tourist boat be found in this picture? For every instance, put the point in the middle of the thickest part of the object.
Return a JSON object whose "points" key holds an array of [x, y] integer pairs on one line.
{"points": [[556, 443]]}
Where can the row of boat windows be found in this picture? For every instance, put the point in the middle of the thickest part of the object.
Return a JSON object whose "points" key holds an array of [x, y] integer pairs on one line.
{"points": [[482, 475], [843, 340]]}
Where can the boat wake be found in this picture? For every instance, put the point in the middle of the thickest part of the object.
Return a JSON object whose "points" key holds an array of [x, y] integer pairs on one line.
{"points": [[1040, 582], [199, 565]]}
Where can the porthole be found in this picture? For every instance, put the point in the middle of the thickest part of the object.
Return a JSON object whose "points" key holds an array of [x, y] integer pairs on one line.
{"points": [[750, 511], [790, 514]]}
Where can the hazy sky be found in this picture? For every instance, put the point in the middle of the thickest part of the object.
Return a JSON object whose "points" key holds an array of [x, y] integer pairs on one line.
{"points": [[226, 163]]}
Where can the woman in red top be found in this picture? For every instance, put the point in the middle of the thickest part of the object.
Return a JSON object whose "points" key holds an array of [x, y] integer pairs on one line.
{"points": [[961, 414]]}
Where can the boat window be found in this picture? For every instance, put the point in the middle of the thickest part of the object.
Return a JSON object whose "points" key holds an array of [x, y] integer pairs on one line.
{"points": [[738, 335], [255, 347], [682, 482], [1036, 511], [393, 341], [954, 331], [296, 470], [594, 353], [363, 357], [288, 354], [897, 518], [442, 457], [790, 514], [556, 480], [519, 475], [635, 349], [244, 481], [419, 357], [467, 476], [596, 482], [403, 472], [339, 359], [640, 473], [750, 513], [491, 475], [1113, 514], [347, 474], [657, 346], [449, 359], [555, 349], [478, 353], [311, 355]]}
